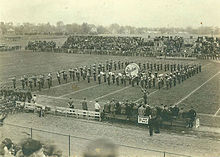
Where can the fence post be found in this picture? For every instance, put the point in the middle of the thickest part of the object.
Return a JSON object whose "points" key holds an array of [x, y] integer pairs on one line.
{"points": [[31, 132], [69, 145], [164, 154]]}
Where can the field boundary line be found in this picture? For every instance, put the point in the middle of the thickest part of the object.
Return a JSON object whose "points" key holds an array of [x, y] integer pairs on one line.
{"points": [[215, 115], [78, 91], [52, 97], [184, 98], [208, 115], [116, 91]]}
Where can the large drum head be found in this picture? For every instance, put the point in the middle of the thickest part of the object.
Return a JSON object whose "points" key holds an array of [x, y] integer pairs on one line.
{"points": [[132, 70]]}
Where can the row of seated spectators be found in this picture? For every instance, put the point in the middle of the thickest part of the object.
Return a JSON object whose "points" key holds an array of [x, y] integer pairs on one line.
{"points": [[170, 43], [41, 45], [131, 109], [122, 43], [11, 94], [9, 48], [116, 45], [105, 43], [207, 45], [8, 98]]}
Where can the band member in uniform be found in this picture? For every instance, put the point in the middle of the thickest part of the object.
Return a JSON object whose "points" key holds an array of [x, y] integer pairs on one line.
{"points": [[74, 75], [125, 81], [154, 82], [144, 66], [174, 80], [94, 76], [39, 84], [58, 77], [26, 80], [71, 73], [34, 78], [104, 76], [78, 75], [42, 80], [113, 78], [48, 82], [132, 81], [200, 68], [65, 76], [22, 82], [159, 83], [108, 79], [50, 77], [142, 82], [30, 84], [167, 83], [119, 65], [99, 78], [88, 77], [156, 73], [117, 80], [14, 82], [84, 104]]}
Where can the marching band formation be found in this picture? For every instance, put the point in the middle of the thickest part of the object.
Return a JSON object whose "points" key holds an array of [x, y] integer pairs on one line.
{"points": [[151, 75]]}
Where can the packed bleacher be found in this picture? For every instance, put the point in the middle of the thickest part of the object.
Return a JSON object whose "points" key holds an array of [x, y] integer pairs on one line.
{"points": [[170, 44], [8, 98], [202, 47], [9, 48], [41, 45], [208, 47], [105, 43]]}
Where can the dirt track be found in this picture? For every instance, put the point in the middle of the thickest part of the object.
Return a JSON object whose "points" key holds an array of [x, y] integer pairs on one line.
{"points": [[194, 144]]}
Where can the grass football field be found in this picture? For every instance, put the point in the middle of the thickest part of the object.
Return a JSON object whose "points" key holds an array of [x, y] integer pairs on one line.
{"points": [[200, 91]]}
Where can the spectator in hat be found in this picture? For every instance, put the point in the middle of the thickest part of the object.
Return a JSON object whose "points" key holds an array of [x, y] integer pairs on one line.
{"points": [[84, 104], [97, 106]]}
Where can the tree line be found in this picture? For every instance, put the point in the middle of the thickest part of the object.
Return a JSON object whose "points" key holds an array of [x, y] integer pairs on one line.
{"points": [[63, 29]]}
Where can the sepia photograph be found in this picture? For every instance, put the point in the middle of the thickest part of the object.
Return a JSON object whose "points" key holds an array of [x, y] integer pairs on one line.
{"points": [[109, 78]]}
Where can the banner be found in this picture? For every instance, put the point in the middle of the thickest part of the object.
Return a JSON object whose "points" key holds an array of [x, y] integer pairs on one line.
{"points": [[143, 119], [132, 70]]}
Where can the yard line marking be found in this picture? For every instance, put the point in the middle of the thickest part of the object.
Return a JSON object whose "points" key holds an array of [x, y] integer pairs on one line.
{"points": [[78, 91], [112, 93], [209, 115], [53, 97], [196, 89], [216, 112], [148, 95]]}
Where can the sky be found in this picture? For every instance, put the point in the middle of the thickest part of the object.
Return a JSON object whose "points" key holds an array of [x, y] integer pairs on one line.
{"points": [[138, 13]]}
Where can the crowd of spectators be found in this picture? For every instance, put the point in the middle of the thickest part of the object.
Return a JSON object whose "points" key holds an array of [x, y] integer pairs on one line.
{"points": [[27, 148], [9, 48], [169, 44], [133, 109], [10, 94], [41, 45], [108, 44], [132, 46], [8, 98], [208, 47]]}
